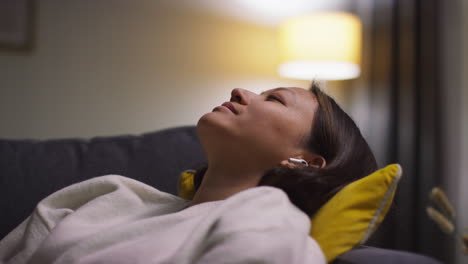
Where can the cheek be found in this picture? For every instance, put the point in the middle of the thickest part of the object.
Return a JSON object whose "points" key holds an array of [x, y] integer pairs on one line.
{"points": [[275, 131], [288, 132]]}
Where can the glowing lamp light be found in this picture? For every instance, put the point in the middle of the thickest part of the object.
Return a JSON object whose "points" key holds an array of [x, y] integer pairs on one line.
{"points": [[325, 46]]}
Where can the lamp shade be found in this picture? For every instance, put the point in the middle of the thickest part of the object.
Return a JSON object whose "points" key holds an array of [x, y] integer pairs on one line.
{"points": [[324, 45]]}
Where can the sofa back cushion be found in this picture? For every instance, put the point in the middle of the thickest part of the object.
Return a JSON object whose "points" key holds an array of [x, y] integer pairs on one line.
{"points": [[30, 170]]}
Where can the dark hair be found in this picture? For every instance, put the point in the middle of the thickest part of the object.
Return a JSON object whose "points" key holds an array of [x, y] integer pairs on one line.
{"points": [[335, 137]]}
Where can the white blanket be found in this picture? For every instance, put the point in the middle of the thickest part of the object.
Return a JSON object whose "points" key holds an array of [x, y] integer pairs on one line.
{"points": [[113, 219]]}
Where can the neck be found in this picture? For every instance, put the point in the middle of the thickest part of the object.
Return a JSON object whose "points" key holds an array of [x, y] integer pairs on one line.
{"points": [[220, 182]]}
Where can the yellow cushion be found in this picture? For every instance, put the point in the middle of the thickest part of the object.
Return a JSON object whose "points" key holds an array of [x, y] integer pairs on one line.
{"points": [[186, 184], [355, 212], [350, 217]]}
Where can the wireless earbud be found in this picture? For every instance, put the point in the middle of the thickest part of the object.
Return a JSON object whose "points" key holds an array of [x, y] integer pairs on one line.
{"points": [[299, 161]]}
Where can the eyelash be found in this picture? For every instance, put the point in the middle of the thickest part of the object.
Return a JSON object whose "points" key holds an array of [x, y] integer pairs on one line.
{"points": [[274, 98]]}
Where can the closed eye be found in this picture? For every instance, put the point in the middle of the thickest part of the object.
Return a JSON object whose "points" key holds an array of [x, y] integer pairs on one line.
{"points": [[274, 98]]}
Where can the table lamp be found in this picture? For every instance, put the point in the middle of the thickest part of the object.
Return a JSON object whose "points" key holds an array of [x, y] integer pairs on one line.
{"points": [[325, 46]]}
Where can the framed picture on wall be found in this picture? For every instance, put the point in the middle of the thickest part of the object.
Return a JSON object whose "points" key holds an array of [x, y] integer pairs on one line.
{"points": [[16, 24]]}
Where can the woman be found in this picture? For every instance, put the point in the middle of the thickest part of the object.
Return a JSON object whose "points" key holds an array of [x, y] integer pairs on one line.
{"points": [[262, 132], [296, 140]]}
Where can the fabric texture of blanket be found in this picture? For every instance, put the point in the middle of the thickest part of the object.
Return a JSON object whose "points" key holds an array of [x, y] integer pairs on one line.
{"points": [[114, 219]]}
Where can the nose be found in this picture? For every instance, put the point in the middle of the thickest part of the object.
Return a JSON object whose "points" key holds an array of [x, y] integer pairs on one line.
{"points": [[241, 96]]}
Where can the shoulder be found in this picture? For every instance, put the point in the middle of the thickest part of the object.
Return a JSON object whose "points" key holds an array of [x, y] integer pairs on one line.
{"points": [[262, 208], [265, 226]]}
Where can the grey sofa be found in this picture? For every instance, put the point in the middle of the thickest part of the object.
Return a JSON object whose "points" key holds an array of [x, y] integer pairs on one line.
{"points": [[32, 169]]}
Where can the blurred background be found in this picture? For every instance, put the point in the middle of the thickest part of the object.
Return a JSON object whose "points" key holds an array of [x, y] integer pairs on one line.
{"points": [[100, 68]]}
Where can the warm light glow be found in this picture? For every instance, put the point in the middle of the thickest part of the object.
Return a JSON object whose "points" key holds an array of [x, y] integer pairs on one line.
{"points": [[325, 70], [280, 7], [323, 46]]}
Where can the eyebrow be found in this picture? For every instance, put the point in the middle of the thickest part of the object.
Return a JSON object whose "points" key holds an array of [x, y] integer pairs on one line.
{"points": [[280, 89], [293, 94]]}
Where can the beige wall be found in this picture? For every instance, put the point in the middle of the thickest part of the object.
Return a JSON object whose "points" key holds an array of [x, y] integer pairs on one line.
{"points": [[116, 67]]}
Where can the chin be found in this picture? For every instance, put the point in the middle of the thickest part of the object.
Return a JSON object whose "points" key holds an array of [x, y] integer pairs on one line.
{"points": [[214, 129], [215, 122]]}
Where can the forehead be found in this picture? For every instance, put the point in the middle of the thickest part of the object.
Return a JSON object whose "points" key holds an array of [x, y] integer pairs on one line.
{"points": [[302, 93], [305, 99]]}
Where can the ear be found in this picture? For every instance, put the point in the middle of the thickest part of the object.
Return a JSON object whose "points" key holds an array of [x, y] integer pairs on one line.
{"points": [[318, 162], [314, 160]]}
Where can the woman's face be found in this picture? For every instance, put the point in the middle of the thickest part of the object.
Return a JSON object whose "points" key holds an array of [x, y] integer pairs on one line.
{"points": [[266, 127]]}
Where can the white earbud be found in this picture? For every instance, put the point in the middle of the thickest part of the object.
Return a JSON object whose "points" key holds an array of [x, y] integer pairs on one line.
{"points": [[299, 161]]}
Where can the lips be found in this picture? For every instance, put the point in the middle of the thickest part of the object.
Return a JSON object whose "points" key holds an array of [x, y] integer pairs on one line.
{"points": [[231, 107]]}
